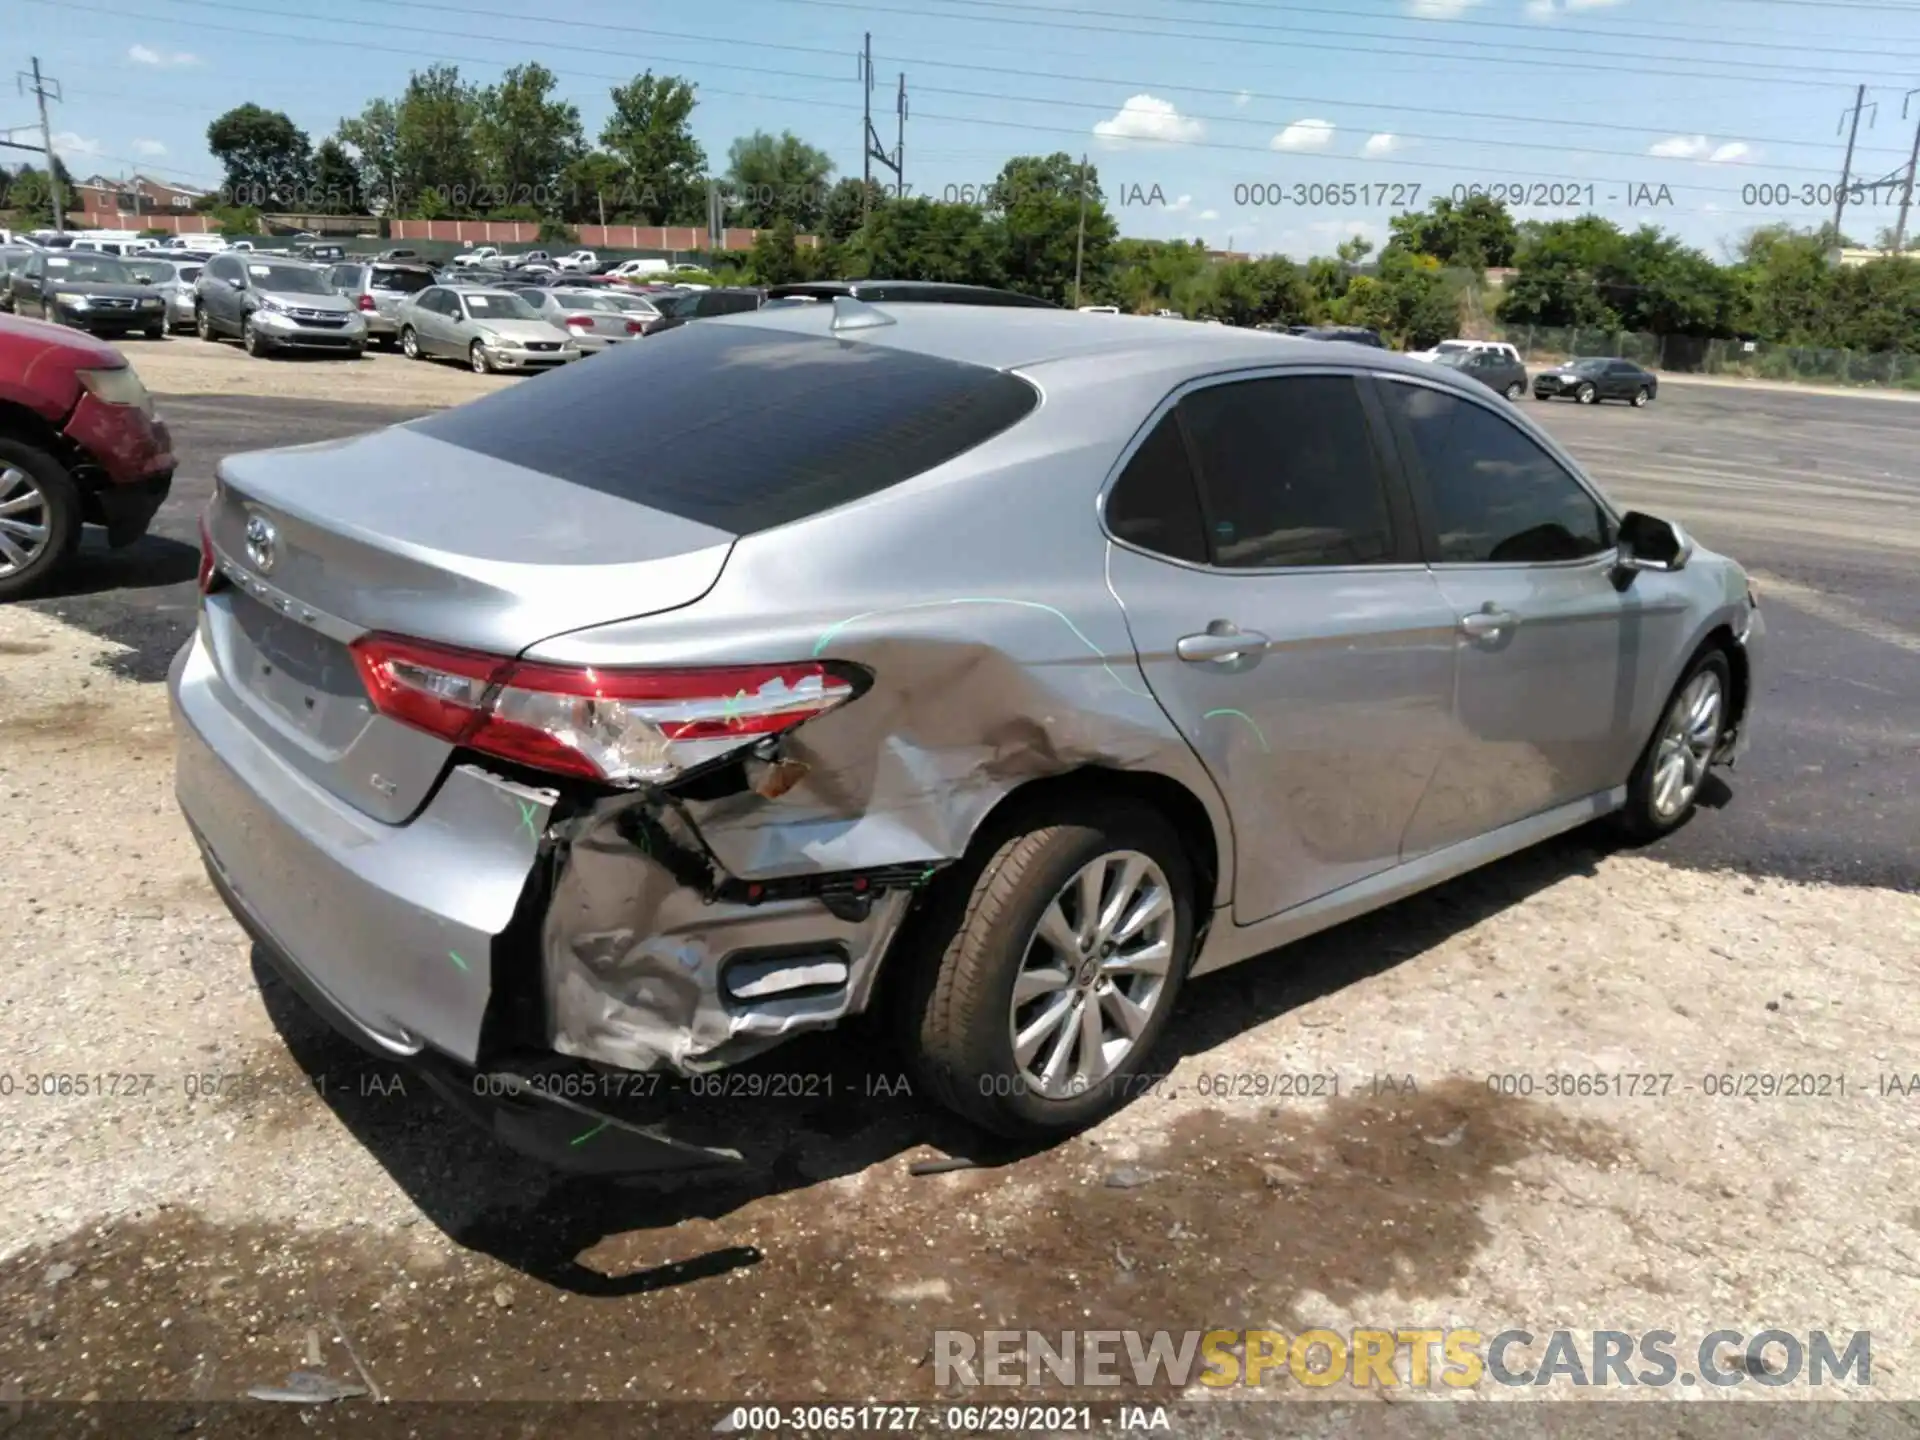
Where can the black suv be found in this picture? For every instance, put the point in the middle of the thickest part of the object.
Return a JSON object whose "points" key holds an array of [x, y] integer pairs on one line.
{"points": [[927, 292], [1352, 334]]}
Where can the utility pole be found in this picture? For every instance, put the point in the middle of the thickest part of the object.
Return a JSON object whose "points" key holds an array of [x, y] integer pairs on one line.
{"points": [[1080, 235], [870, 137], [1906, 196], [900, 139], [43, 90], [1846, 166]]}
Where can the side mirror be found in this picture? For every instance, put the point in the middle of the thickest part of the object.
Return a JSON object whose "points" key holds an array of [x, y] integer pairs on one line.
{"points": [[234, 282], [1649, 543]]}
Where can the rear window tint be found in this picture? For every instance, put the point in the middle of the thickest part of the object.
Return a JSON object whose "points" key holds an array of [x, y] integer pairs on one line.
{"points": [[743, 429], [407, 282], [718, 302]]}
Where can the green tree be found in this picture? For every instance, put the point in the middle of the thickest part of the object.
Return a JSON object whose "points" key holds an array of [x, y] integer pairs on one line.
{"points": [[30, 196], [1353, 250], [774, 177], [919, 239], [433, 142], [1786, 284], [595, 189], [775, 260], [336, 181], [1559, 263], [1656, 284], [1410, 301], [268, 159], [1473, 234], [849, 201], [1253, 292], [651, 130], [524, 138], [372, 136], [1037, 201]]}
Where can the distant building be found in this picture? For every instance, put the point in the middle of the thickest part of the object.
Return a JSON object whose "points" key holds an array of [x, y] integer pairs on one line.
{"points": [[114, 200], [1222, 257], [1852, 256]]}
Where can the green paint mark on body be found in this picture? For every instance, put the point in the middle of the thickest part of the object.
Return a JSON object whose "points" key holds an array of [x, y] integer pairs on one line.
{"points": [[527, 811], [457, 960], [1258, 734], [582, 1139]]}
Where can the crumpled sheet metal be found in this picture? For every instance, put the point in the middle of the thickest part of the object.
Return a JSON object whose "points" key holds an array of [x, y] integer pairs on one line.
{"points": [[632, 959]]}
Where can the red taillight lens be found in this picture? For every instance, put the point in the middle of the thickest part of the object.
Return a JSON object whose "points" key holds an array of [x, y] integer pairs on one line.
{"points": [[636, 327], [579, 322], [365, 302], [617, 726], [208, 566]]}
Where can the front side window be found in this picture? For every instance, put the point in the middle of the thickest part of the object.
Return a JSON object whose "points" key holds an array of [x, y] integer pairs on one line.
{"points": [[1498, 497], [1288, 473]]}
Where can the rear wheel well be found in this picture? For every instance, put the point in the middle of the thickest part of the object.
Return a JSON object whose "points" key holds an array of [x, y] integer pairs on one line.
{"points": [[29, 427]]}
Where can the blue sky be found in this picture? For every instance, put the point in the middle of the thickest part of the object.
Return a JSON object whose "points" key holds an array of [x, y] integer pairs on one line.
{"points": [[1203, 115]]}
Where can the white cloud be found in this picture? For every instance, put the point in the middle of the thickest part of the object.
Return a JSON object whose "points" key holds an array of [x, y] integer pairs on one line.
{"points": [[1209, 214], [1175, 207], [1381, 144], [1439, 9], [1699, 147], [151, 149], [1151, 121], [147, 55], [1548, 9], [1305, 135], [1241, 100], [69, 146], [1682, 147]]}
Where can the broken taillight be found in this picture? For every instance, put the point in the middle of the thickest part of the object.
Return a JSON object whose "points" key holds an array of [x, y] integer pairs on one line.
{"points": [[622, 727]]}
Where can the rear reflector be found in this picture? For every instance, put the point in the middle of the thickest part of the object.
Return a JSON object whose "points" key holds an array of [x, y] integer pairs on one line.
{"points": [[636, 327], [209, 567], [580, 322], [621, 727]]}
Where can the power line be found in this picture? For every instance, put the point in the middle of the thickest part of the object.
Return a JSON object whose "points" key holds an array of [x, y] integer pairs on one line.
{"points": [[961, 93], [601, 49]]}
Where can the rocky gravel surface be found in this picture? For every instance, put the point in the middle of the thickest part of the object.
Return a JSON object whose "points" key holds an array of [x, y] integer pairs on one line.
{"points": [[206, 1191]]}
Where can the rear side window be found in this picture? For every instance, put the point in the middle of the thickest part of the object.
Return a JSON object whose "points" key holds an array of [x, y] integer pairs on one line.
{"points": [[400, 279], [743, 428], [1289, 473], [1154, 504], [1498, 498]]}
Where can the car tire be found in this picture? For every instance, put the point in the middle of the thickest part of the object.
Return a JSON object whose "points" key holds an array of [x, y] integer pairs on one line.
{"points": [[1641, 397], [203, 324], [250, 340], [982, 932], [1689, 733], [1516, 391], [477, 358], [1587, 395], [410, 344], [24, 468], [156, 332]]}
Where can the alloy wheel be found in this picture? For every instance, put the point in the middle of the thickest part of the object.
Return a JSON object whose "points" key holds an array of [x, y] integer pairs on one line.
{"points": [[24, 520], [202, 326], [1093, 973], [1516, 390], [1688, 737], [249, 337], [410, 343], [1587, 395], [1641, 397], [479, 359]]}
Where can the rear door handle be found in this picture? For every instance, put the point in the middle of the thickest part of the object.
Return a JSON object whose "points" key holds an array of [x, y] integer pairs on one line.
{"points": [[1218, 647], [1487, 622]]}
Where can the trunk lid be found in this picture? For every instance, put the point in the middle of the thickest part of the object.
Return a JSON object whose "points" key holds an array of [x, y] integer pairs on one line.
{"points": [[399, 532], [608, 324]]}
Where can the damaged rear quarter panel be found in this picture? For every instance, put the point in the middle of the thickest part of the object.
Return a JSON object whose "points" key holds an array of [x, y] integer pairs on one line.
{"points": [[975, 596]]}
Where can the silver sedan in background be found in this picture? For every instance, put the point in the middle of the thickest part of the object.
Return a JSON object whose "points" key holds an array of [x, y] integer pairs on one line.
{"points": [[174, 280], [490, 329], [594, 319], [991, 670]]}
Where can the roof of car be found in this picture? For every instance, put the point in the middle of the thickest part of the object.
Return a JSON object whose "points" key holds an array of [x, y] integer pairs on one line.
{"points": [[1020, 339], [1014, 299]]}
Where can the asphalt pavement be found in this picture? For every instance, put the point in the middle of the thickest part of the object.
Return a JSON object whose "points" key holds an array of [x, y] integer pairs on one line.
{"points": [[1818, 495]]}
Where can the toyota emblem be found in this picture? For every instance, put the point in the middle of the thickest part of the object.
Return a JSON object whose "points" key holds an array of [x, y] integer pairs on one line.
{"points": [[261, 538]]}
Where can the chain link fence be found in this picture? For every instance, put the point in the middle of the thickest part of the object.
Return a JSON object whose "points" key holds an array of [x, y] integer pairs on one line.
{"points": [[1691, 355]]}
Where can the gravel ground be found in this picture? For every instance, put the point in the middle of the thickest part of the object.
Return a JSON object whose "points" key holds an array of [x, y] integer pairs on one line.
{"points": [[250, 1191], [186, 365]]}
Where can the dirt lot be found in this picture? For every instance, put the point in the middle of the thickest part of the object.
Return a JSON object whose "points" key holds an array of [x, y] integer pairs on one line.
{"points": [[185, 365], [240, 1195]]}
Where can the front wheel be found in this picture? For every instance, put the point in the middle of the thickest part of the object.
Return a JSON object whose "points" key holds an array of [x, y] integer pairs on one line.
{"points": [[1665, 785], [1641, 397], [1587, 395], [156, 332], [203, 324], [477, 357], [1045, 975], [1516, 390], [250, 340], [410, 344], [39, 517]]}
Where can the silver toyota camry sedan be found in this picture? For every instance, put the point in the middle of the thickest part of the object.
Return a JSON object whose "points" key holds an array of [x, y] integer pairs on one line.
{"points": [[990, 671]]}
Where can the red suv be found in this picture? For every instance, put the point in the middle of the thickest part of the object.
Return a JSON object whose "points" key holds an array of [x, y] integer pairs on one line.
{"points": [[79, 444]]}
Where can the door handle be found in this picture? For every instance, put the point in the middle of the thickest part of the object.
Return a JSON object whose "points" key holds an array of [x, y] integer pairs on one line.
{"points": [[1488, 622], [1218, 646]]}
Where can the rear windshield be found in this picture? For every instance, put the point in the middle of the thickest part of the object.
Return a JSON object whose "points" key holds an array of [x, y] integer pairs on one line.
{"points": [[744, 428], [397, 277], [575, 300], [723, 302]]}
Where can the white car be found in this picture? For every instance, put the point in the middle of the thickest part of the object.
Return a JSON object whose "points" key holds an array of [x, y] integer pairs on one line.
{"points": [[1099, 309], [1467, 347], [479, 255], [634, 269], [578, 260]]}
